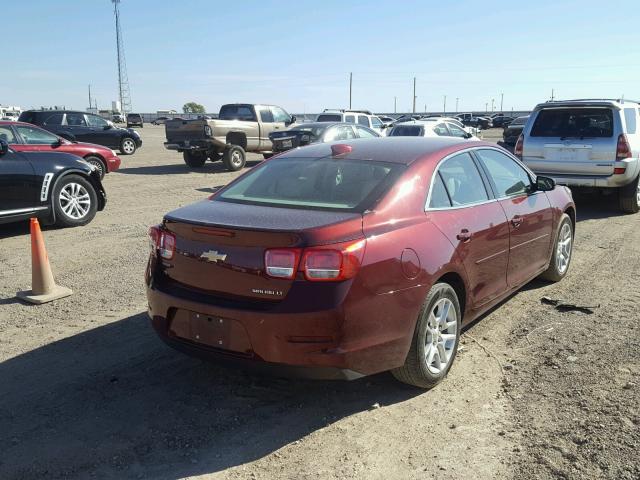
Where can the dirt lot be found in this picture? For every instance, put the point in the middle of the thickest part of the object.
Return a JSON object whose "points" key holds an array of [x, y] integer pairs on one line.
{"points": [[88, 391]]}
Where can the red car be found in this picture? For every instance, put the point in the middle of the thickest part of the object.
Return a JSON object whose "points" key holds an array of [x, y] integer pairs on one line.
{"points": [[337, 261], [24, 137]]}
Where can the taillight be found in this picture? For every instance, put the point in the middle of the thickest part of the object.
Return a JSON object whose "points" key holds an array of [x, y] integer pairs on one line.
{"points": [[162, 241], [331, 263], [282, 263], [154, 238], [517, 151], [623, 149]]}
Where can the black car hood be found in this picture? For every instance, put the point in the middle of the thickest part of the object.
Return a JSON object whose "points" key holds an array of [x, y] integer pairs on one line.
{"points": [[254, 217], [58, 160]]}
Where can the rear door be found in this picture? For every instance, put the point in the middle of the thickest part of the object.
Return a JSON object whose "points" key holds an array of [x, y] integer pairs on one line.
{"points": [[463, 209], [572, 141], [76, 126], [101, 132], [529, 214]]}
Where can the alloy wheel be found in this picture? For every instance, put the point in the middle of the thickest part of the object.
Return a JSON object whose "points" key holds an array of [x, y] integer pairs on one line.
{"points": [[442, 330], [563, 248], [75, 201], [128, 146], [236, 158]]}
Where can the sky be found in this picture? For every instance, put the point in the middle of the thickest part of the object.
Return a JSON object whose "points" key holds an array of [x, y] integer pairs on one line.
{"points": [[299, 54]]}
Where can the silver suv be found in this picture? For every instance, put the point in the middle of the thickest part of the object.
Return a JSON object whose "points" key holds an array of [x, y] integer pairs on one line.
{"points": [[360, 117], [586, 143]]}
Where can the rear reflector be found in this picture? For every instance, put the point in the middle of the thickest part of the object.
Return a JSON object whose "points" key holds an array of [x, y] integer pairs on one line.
{"points": [[282, 263], [623, 149], [619, 170]]}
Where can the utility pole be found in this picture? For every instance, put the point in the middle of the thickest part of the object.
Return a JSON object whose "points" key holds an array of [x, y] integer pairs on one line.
{"points": [[486, 107], [425, 108], [123, 79], [350, 88], [501, 101], [395, 104], [552, 94], [414, 95], [444, 105], [492, 103], [90, 103], [457, 104]]}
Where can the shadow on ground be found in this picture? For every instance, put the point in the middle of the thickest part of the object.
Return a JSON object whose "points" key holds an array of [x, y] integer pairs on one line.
{"points": [[181, 168], [116, 402], [596, 205]]}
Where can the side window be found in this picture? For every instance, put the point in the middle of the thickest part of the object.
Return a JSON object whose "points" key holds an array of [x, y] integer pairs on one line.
{"points": [[507, 176], [350, 118], [35, 136], [76, 120], [331, 134], [280, 115], [439, 196], [345, 133], [96, 121], [462, 180], [364, 132], [441, 130], [266, 115], [376, 122], [363, 120], [630, 120], [456, 131], [7, 135], [55, 119]]}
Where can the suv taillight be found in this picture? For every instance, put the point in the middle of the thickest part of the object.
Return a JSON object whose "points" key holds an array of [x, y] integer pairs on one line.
{"points": [[623, 150], [162, 241], [328, 263], [517, 150]]}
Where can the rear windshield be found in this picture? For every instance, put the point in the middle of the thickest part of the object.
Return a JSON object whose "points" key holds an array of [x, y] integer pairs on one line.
{"points": [[237, 112], [329, 117], [520, 121], [314, 183], [134, 116], [407, 131], [315, 131], [574, 122], [26, 117]]}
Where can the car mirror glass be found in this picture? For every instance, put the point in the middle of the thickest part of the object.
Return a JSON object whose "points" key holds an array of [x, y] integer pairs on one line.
{"points": [[545, 184]]}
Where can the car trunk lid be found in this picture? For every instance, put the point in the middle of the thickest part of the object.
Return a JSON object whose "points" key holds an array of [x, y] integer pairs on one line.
{"points": [[220, 247]]}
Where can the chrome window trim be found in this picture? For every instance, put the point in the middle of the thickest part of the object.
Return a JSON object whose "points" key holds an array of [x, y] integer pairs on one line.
{"points": [[532, 176], [435, 172]]}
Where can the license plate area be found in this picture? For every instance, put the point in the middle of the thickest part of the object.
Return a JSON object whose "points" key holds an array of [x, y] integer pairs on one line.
{"points": [[211, 331]]}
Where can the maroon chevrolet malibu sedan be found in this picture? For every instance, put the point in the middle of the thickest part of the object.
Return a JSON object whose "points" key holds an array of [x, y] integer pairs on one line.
{"points": [[344, 260]]}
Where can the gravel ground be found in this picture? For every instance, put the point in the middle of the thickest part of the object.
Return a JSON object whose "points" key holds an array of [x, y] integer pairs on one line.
{"points": [[87, 391]]}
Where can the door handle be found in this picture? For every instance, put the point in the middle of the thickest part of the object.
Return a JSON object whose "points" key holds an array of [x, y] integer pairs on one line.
{"points": [[464, 235], [516, 221]]}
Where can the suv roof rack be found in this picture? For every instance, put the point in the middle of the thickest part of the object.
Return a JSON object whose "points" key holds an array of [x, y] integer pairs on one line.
{"points": [[345, 110], [619, 100]]}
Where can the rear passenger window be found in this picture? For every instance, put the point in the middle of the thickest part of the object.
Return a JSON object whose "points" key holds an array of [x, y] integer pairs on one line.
{"points": [[573, 123], [507, 176], [630, 120], [439, 197], [350, 118], [463, 181], [441, 130], [55, 119], [6, 134], [362, 120]]}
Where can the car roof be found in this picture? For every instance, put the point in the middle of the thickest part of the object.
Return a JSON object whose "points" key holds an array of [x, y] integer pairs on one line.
{"points": [[401, 150], [581, 102]]}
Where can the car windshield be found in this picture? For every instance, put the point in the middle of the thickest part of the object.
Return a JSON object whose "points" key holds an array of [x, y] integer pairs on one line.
{"points": [[314, 183], [573, 122], [407, 131], [329, 117]]}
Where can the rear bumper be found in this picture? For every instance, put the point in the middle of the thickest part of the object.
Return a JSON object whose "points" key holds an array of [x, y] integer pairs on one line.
{"points": [[574, 179], [187, 146], [309, 344]]}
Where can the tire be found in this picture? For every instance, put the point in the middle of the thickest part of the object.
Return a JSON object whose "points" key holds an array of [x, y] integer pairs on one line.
{"points": [[630, 197], [98, 163], [128, 146], [562, 252], [234, 158], [68, 188], [418, 370], [194, 159]]}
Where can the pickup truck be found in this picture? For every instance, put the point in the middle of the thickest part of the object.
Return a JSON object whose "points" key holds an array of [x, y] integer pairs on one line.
{"points": [[470, 120], [239, 128]]}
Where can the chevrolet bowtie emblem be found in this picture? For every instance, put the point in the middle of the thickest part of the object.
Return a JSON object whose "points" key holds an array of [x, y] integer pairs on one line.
{"points": [[213, 256]]}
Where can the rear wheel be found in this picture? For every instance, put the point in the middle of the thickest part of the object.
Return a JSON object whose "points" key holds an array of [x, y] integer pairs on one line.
{"points": [[128, 146], [234, 158], [194, 159], [630, 197], [74, 201], [562, 250], [98, 163], [435, 340]]}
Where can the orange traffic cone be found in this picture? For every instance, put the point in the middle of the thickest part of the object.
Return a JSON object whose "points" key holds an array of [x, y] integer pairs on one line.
{"points": [[43, 287]]}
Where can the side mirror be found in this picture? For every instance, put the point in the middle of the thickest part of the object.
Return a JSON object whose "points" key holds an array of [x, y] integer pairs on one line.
{"points": [[108, 126], [467, 135], [4, 147], [545, 184], [59, 141], [293, 119]]}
